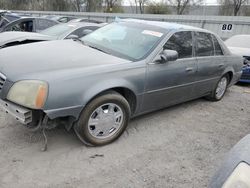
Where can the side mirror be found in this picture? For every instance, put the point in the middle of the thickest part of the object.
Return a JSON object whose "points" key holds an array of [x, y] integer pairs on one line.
{"points": [[73, 37], [167, 55]]}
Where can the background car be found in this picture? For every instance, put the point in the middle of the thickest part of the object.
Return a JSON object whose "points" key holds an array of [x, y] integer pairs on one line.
{"points": [[86, 20], [240, 45], [57, 32], [6, 17], [29, 24], [235, 169], [67, 30], [62, 19]]}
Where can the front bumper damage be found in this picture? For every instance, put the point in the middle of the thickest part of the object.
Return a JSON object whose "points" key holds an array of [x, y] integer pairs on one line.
{"points": [[21, 114], [24, 116]]}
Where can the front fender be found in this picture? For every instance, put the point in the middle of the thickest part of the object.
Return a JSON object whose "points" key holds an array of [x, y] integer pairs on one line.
{"points": [[102, 86], [67, 97], [87, 95]]}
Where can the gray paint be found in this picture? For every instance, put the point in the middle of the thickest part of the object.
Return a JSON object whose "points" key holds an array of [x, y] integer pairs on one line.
{"points": [[16, 36], [238, 154], [77, 73]]}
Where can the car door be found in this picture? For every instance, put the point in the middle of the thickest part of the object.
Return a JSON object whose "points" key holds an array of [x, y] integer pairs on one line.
{"points": [[210, 61], [171, 82]]}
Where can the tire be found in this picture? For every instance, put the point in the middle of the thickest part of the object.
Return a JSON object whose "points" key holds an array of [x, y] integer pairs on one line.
{"points": [[103, 120], [217, 94]]}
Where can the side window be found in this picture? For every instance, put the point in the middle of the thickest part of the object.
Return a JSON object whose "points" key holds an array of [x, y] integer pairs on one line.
{"points": [[182, 43], [42, 24], [81, 31], [21, 26], [218, 51], [204, 44], [63, 20], [3, 22]]}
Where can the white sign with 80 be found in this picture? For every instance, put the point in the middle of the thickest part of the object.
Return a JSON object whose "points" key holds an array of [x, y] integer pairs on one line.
{"points": [[227, 27]]}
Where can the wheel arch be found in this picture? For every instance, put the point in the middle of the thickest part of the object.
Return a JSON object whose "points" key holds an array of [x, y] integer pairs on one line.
{"points": [[230, 72], [127, 90]]}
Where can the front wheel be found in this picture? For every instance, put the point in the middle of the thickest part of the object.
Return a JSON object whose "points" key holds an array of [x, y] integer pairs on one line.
{"points": [[103, 120], [220, 89]]}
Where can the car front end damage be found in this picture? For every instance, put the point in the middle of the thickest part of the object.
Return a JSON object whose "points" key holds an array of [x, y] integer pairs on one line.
{"points": [[21, 114], [246, 70], [245, 74], [24, 101]]}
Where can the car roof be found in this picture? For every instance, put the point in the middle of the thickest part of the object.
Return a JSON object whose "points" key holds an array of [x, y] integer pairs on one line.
{"points": [[86, 20], [32, 18], [166, 25], [4, 11], [240, 41], [240, 36], [80, 24]]}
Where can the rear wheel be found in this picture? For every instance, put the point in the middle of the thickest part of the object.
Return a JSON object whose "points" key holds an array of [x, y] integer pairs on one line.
{"points": [[103, 120], [220, 89]]}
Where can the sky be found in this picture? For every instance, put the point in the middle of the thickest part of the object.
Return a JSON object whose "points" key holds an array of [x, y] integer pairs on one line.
{"points": [[211, 2], [208, 2]]}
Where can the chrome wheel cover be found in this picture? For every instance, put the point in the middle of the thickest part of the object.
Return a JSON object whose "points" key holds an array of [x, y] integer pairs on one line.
{"points": [[221, 88], [105, 120]]}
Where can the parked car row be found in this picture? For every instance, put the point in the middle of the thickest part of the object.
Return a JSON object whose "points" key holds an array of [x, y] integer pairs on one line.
{"points": [[96, 83], [15, 22], [57, 32]]}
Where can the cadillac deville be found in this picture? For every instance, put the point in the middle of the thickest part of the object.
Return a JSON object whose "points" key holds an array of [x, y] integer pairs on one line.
{"points": [[128, 68]]}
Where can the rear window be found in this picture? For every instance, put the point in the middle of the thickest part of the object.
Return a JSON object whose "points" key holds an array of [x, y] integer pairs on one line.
{"points": [[204, 44], [217, 47]]}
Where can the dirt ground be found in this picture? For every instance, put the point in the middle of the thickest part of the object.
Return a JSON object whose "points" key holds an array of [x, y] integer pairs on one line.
{"points": [[181, 146]]}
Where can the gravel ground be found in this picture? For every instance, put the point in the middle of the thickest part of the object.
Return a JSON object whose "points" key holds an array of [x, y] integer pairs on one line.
{"points": [[181, 146]]}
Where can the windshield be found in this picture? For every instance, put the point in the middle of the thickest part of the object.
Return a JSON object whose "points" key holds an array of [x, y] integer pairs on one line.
{"points": [[241, 41], [58, 30], [131, 41]]}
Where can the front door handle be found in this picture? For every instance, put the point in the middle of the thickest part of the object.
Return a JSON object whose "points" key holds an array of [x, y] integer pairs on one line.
{"points": [[189, 69]]}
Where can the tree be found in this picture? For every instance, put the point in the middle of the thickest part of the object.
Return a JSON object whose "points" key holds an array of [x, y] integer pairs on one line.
{"points": [[111, 4], [229, 6], [157, 8], [90, 5], [182, 5], [78, 5], [141, 4], [18, 4]]}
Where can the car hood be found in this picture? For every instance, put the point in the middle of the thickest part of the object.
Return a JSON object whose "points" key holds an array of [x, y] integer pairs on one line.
{"points": [[44, 57], [240, 51], [10, 37]]}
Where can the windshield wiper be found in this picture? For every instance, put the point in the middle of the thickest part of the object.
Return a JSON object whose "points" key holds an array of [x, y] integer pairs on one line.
{"points": [[78, 40], [96, 48]]}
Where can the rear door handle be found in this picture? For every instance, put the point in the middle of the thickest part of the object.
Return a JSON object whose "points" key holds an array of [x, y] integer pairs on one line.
{"points": [[221, 65], [189, 69]]}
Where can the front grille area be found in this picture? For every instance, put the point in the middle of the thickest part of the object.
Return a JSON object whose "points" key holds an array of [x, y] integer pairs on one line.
{"points": [[246, 73], [245, 77], [2, 81]]}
